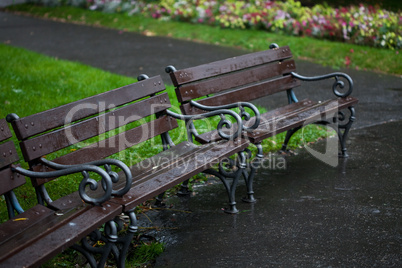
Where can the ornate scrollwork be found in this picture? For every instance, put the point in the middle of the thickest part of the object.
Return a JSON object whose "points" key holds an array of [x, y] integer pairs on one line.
{"points": [[87, 181], [243, 114], [114, 177], [222, 123], [225, 165], [337, 84], [99, 244]]}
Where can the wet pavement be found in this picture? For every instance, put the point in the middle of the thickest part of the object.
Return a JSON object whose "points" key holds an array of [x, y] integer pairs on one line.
{"points": [[308, 214]]}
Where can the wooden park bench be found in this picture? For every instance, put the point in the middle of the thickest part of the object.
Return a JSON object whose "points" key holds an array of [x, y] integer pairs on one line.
{"points": [[94, 132], [34, 236], [231, 82]]}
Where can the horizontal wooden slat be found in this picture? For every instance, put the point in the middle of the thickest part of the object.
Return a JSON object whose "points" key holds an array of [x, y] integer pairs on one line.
{"points": [[221, 83], [53, 234], [195, 162], [291, 120], [5, 132], [61, 138], [229, 65], [56, 117], [245, 94], [8, 154], [10, 180]]}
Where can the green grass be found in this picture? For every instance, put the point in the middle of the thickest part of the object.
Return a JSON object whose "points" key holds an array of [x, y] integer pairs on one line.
{"points": [[320, 51]]}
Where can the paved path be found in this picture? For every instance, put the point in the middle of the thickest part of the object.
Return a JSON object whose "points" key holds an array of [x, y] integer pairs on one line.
{"points": [[132, 54], [309, 215]]}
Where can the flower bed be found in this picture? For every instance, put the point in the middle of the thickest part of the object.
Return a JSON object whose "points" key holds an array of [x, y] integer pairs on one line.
{"points": [[364, 25]]}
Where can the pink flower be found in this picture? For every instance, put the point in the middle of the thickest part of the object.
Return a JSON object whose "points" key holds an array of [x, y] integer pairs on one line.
{"points": [[347, 61], [351, 50]]}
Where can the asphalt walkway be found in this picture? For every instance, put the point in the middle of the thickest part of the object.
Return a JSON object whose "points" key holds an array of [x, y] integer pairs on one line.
{"points": [[308, 215]]}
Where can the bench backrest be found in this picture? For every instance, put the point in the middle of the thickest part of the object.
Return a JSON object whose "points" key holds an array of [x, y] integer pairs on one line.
{"points": [[58, 128], [8, 179], [244, 78]]}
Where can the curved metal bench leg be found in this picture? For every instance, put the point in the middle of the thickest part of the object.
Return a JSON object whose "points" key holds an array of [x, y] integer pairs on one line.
{"points": [[249, 176], [230, 186], [230, 181], [111, 244], [184, 190], [288, 136], [345, 127], [125, 241], [89, 251], [159, 201]]}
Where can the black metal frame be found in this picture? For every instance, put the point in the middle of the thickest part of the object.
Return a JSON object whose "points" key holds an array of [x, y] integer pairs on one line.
{"points": [[341, 129], [86, 181], [113, 244]]}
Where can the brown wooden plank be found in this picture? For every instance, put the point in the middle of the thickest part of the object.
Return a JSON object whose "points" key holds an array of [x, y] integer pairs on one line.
{"points": [[221, 83], [10, 180], [21, 222], [179, 171], [5, 132], [64, 137], [284, 123], [53, 118], [245, 94], [57, 238], [8, 154], [229, 65]]}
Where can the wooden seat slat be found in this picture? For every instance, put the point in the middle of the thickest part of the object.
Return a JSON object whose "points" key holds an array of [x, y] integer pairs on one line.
{"points": [[60, 236], [296, 119]]}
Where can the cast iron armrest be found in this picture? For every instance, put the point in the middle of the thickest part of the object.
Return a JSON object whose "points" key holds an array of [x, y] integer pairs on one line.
{"points": [[222, 123], [338, 83], [86, 181], [107, 165], [337, 75]]}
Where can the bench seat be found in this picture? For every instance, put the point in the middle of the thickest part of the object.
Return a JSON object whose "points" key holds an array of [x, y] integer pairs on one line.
{"points": [[285, 118], [40, 233], [155, 175]]}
